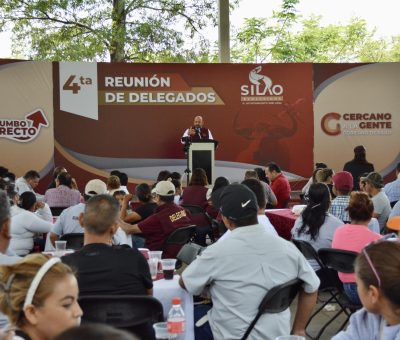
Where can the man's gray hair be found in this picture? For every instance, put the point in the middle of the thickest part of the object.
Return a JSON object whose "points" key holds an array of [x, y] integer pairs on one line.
{"points": [[4, 207]]}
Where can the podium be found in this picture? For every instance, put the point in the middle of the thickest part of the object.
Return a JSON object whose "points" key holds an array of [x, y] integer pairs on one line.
{"points": [[201, 154]]}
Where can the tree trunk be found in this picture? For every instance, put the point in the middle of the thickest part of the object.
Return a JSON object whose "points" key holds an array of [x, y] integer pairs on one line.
{"points": [[118, 34]]}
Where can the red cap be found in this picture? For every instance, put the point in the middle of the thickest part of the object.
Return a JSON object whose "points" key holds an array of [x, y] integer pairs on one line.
{"points": [[176, 301]]}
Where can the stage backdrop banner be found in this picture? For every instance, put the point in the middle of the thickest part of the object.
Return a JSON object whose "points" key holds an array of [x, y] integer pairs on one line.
{"points": [[258, 113], [26, 116], [357, 105]]}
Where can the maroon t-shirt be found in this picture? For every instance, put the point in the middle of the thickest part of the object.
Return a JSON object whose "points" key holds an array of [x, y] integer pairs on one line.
{"points": [[195, 194], [161, 224]]}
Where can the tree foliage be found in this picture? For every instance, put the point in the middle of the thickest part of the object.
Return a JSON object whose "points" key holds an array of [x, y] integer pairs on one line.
{"points": [[306, 40], [116, 30]]}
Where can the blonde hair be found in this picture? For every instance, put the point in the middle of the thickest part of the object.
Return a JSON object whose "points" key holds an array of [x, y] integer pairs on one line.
{"points": [[16, 279], [113, 182]]}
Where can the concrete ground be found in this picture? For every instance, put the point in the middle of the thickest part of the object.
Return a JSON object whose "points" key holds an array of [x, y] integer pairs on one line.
{"points": [[322, 317]]}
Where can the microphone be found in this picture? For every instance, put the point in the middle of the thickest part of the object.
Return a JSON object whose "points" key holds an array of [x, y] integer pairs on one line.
{"points": [[198, 132]]}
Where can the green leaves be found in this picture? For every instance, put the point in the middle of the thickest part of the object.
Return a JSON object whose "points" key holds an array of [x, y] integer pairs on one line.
{"points": [[118, 30]]}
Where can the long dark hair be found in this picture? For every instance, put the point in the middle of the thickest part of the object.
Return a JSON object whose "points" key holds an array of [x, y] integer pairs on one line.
{"points": [[360, 154], [313, 216]]}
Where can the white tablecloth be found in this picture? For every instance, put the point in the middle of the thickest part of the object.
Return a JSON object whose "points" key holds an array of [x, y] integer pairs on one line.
{"points": [[165, 290]]}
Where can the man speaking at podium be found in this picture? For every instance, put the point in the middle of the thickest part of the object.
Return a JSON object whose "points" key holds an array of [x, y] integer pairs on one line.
{"points": [[197, 131]]}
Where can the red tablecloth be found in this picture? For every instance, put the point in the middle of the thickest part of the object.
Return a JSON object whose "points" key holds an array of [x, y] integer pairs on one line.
{"points": [[282, 220]]}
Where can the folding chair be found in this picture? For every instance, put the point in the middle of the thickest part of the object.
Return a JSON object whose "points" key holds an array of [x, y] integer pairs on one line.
{"points": [[189, 252], [330, 282], [276, 300], [135, 313], [179, 237], [74, 240], [341, 261], [56, 211], [193, 208]]}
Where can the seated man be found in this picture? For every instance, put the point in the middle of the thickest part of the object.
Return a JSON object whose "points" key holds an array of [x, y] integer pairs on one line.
{"points": [[279, 184], [342, 186], [28, 183], [101, 267], [239, 272], [68, 222], [166, 218]]}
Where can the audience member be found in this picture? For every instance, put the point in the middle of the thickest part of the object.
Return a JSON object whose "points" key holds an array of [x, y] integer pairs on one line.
{"points": [[241, 270], [257, 188], [196, 192], [57, 170], [6, 256], [219, 184], [101, 267], [95, 332], [123, 179], [312, 179], [62, 195], [119, 195], [378, 283], [40, 297], [342, 186], [143, 211], [167, 217], [279, 184], [315, 225], [382, 209], [27, 183], [163, 175], [113, 184], [269, 194], [25, 223], [68, 221], [175, 175], [392, 189], [355, 236], [325, 176], [178, 190], [361, 181], [358, 165]]}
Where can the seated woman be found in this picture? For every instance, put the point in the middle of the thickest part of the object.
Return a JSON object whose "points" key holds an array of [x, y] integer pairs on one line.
{"points": [[40, 297], [196, 192], [377, 270], [145, 209], [315, 225], [219, 183], [325, 176], [63, 195], [25, 223], [355, 236]]}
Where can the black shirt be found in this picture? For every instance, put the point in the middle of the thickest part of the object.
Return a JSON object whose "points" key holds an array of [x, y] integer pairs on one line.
{"points": [[357, 169], [104, 269], [145, 210]]}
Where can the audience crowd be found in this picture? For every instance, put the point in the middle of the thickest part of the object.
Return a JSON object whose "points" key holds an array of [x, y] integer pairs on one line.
{"points": [[350, 210]]}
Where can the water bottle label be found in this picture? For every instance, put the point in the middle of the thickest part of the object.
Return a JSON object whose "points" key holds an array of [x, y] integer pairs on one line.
{"points": [[176, 326]]}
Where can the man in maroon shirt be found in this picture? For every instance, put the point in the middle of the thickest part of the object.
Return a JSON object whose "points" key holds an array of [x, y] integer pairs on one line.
{"points": [[197, 131], [279, 184], [166, 218]]}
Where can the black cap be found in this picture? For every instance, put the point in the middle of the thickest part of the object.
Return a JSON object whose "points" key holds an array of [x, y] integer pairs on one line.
{"points": [[236, 202]]}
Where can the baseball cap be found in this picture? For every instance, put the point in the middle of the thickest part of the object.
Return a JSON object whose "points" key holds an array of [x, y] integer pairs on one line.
{"points": [[343, 180], [237, 201], [164, 188], [375, 179], [95, 187]]}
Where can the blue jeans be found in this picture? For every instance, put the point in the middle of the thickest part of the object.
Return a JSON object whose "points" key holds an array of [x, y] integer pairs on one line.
{"points": [[351, 291], [203, 332]]}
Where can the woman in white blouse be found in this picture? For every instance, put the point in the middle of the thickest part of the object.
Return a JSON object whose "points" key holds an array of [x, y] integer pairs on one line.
{"points": [[27, 219]]}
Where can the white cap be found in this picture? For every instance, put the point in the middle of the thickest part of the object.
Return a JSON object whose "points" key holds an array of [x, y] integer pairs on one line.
{"points": [[95, 187], [164, 188]]}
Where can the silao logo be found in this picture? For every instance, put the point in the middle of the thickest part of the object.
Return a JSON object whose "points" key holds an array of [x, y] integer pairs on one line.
{"points": [[23, 130], [261, 85]]}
